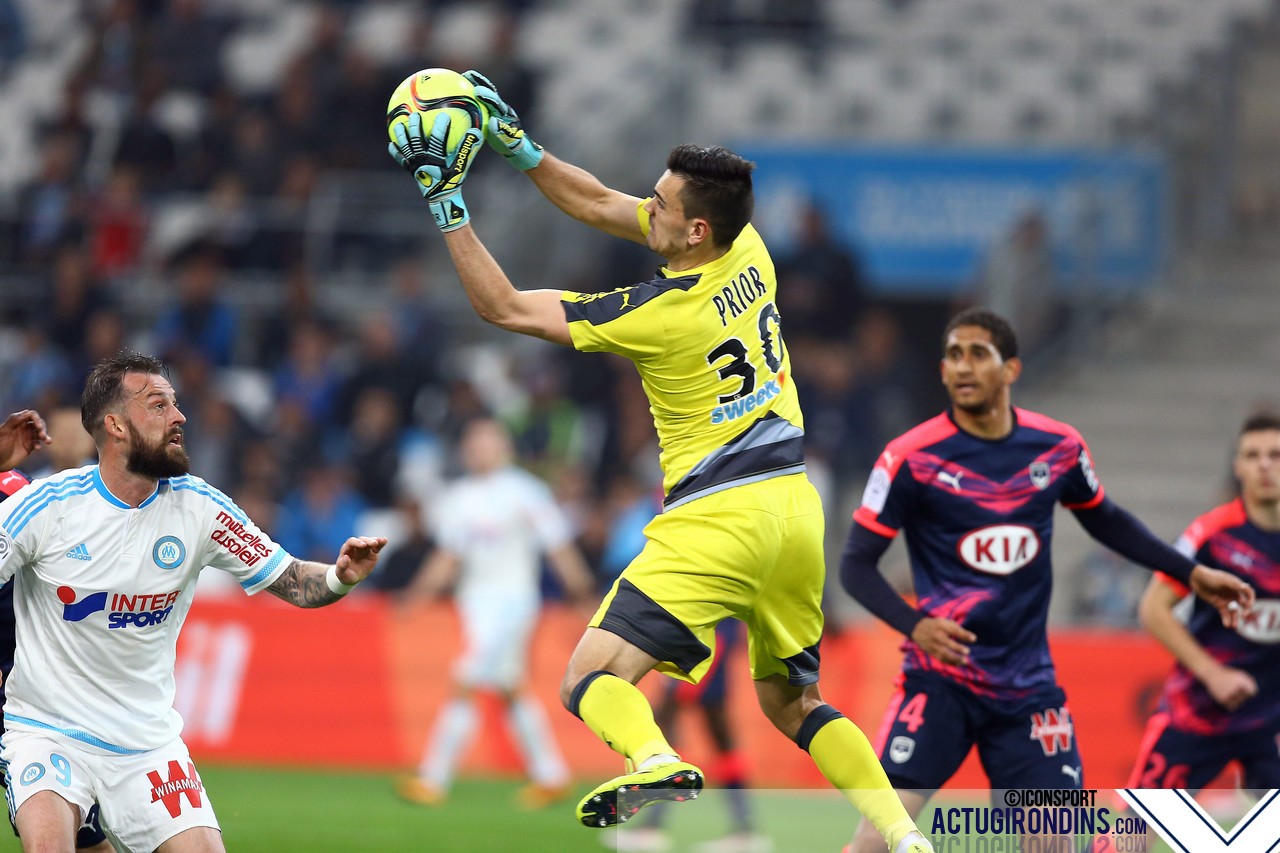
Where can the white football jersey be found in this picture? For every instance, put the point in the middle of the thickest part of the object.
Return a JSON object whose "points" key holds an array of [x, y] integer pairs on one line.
{"points": [[498, 525], [100, 593]]}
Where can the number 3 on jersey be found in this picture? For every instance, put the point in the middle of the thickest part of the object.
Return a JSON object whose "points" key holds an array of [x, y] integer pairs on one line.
{"points": [[738, 363]]}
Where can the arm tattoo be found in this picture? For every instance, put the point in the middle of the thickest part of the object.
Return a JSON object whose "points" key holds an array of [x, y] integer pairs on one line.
{"points": [[303, 585]]}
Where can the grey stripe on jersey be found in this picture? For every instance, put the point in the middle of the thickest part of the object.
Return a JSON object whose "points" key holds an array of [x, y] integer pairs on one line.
{"points": [[770, 447]]}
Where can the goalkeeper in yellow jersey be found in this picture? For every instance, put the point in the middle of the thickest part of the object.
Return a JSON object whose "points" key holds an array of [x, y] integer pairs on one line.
{"points": [[741, 532]]}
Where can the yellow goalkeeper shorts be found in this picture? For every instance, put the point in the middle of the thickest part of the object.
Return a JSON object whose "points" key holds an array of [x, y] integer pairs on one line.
{"points": [[753, 552]]}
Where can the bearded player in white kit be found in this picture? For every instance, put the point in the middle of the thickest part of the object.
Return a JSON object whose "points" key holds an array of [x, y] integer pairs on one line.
{"points": [[105, 560]]}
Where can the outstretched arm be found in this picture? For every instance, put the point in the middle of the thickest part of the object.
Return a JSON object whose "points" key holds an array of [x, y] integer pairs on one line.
{"points": [[580, 194], [1123, 533], [1230, 687], [944, 639], [21, 434], [575, 191], [439, 174], [530, 312], [308, 584]]}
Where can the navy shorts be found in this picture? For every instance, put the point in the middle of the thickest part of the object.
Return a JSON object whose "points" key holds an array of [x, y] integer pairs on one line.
{"points": [[714, 686], [933, 722], [1174, 758]]}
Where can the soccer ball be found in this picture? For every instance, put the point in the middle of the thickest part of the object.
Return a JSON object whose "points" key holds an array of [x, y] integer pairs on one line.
{"points": [[430, 91]]}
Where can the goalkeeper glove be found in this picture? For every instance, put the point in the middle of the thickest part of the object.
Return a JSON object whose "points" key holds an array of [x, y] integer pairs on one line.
{"points": [[438, 171], [504, 132]]}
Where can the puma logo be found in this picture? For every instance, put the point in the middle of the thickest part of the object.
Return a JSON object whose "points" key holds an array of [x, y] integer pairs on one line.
{"points": [[1073, 772], [952, 479], [626, 301]]}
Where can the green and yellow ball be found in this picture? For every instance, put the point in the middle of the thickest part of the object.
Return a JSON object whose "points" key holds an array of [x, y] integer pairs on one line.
{"points": [[431, 91]]}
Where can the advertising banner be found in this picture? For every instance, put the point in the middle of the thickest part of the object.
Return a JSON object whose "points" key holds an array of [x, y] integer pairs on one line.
{"points": [[359, 684], [926, 220]]}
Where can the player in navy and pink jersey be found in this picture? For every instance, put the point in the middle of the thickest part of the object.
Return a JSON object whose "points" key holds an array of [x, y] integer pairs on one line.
{"points": [[1222, 701], [974, 489]]}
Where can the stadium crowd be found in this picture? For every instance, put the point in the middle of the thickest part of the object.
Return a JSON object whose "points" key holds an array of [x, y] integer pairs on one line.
{"points": [[307, 413]]}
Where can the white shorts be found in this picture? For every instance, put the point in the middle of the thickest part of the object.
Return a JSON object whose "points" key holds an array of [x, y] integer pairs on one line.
{"points": [[497, 634], [143, 799]]}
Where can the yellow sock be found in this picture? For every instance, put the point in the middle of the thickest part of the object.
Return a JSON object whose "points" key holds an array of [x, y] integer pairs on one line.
{"points": [[844, 755], [621, 716]]}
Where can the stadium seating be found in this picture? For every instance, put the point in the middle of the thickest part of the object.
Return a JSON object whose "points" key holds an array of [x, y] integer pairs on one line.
{"points": [[255, 58], [32, 90], [985, 71]]}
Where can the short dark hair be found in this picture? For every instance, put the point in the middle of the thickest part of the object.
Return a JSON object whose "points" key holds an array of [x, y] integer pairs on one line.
{"points": [[104, 387], [717, 188], [1261, 420], [1002, 334]]}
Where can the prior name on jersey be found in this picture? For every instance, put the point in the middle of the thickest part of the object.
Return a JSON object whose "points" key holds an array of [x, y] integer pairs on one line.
{"points": [[707, 343]]}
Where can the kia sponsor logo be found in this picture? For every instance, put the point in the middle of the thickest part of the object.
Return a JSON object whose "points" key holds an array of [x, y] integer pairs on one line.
{"points": [[1262, 623], [999, 549]]}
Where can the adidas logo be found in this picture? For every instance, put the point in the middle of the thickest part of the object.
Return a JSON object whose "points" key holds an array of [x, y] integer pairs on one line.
{"points": [[80, 552]]}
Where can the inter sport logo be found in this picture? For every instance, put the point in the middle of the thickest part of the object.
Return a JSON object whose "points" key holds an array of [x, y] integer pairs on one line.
{"points": [[125, 610], [75, 611]]}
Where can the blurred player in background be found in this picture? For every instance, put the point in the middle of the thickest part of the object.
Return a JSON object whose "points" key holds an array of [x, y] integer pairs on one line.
{"points": [[741, 532], [22, 434], [492, 526], [1222, 701], [975, 489], [104, 560], [70, 446]]}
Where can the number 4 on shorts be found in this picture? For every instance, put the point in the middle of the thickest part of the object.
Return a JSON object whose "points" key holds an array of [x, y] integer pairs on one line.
{"points": [[912, 712]]}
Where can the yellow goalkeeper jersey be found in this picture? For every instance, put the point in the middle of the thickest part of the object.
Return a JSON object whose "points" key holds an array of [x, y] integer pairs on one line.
{"points": [[708, 345]]}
